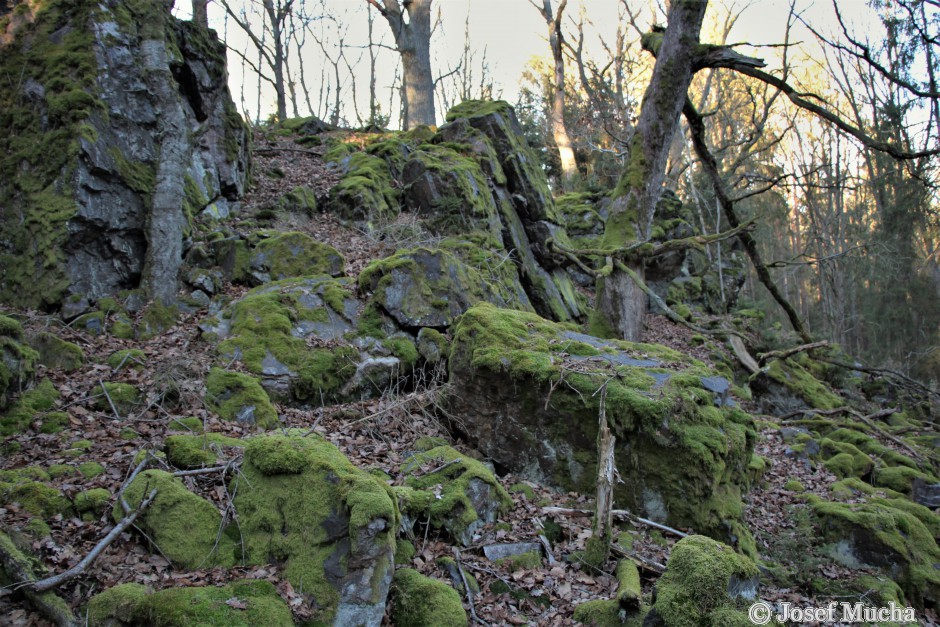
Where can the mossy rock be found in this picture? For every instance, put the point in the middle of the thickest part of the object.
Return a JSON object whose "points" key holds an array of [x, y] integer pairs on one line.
{"points": [[300, 199], [366, 191], [90, 470], [56, 353], [157, 318], [270, 327], [469, 494], [128, 358], [246, 603], [239, 397], [580, 217], [27, 488], [17, 360], [285, 255], [196, 451], [186, 527], [19, 563], [527, 396], [33, 404], [124, 396], [420, 601], [891, 534], [705, 584], [785, 385], [302, 504], [605, 613], [91, 501]]}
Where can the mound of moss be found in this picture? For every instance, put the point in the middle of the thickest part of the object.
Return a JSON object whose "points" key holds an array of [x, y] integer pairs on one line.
{"points": [[365, 192], [301, 503], [27, 488], [246, 603], [130, 358], [187, 528], [33, 404], [239, 397], [54, 352], [124, 396], [705, 584], [457, 492], [420, 601], [292, 254], [527, 393], [196, 451]]}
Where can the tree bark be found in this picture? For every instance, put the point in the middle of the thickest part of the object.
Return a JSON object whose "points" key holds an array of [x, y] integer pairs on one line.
{"points": [[569, 166], [413, 40], [620, 304], [201, 13], [276, 17]]}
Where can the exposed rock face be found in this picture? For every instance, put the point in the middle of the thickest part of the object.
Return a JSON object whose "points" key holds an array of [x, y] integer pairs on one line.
{"points": [[526, 394], [121, 132]]}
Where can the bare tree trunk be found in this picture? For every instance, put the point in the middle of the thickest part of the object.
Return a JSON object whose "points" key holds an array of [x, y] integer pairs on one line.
{"points": [[276, 16], [556, 39], [413, 40], [201, 13], [621, 305]]}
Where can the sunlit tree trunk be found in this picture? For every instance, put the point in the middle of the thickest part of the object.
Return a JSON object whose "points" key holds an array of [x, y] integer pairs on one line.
{"points": [[620, 304], [569, 167]]}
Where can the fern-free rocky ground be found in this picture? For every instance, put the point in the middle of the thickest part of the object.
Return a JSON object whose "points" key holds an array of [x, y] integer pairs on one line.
{"points": [[377, 403]]}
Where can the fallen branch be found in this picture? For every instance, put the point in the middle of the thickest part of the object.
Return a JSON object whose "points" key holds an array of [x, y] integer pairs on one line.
{"points": [[763, 358], [16, 566], [57, 580], [546, 545], [645, 562], [110, 402], [620, 514], [466, 587], [740, 351]]}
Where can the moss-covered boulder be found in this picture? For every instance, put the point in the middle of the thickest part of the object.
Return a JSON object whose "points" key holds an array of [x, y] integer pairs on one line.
{"points": [[526, 393], [247, 603], [300, 199], [35, 403], [784, 386], [18, 563], [425, 287], [891, 534], [54, 352], [27, 488], [706, 584], [301, 503], [196, 451], [17, 360], [122, 397], [308, 342], [455, 491], [420, 601], [187, 528], [366, 191], [239, 397], [283, 255]]}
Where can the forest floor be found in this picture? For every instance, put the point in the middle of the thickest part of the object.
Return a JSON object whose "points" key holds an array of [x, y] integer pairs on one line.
{"points": [[377, 434]]}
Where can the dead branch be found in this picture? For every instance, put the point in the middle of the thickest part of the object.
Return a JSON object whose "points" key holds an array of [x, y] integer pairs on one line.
{"points": [[466, 587], [110, 402], [604, 501], [16, 566], [763, 358], [620, 514], [645, 562], [740, 351]]}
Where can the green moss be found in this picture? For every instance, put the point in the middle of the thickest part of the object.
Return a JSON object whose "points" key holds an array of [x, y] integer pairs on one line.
{"points": [[420, 601], [426, 443], [124, 396], [803, 384], [524, 561], [10, 328], [61, 470], [403, 348], [793, 485], [900, 478], [887, 533], [157, 319], [366, 191], [90, 470], [233, 394], [404, 552], [17, 366], [132, 358], [190, 423], [196, 451], [295, 497], [603, 613], [525, 490], [186, 527], [25, 565], [32, 404], [300, 199], [262, 326], [57, 353], [693, 591], [37, 528], [91, 501], [246, 603], [34, 497], [294, 254], [122, 327], [138, 176], [459, 478]]}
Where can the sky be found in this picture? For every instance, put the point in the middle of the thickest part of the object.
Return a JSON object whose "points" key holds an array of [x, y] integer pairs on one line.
{"points": [[510, 33]]}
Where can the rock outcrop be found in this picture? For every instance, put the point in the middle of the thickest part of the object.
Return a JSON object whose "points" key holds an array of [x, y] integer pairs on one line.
{"points": [[119, 135]]}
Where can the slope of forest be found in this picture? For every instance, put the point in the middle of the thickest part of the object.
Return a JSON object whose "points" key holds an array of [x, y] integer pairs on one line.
{"points": [[383, 393]]}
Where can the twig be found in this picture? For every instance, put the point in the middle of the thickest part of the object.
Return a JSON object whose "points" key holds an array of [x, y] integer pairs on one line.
{"points": [[545, 543], [466, 587], [620, 514], [763, 358], [206, 471], [110, 402], [120, 495], [441, 467], [57, 580], [645, 562]]}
